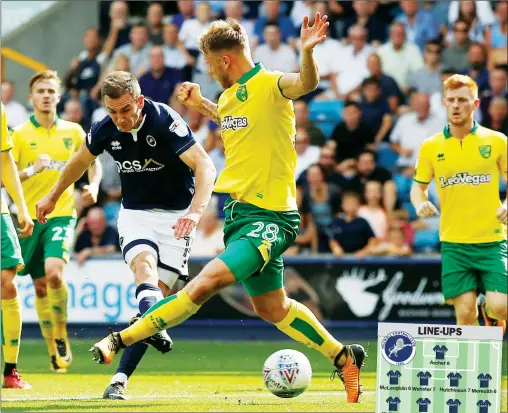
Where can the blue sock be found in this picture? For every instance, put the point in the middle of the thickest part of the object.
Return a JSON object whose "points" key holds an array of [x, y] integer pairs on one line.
{"points": [[147, 295]]}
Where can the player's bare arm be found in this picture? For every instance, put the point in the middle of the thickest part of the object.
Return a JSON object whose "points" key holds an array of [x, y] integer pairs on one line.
{"points": [[502, 212], [190, 95], [12, 184], [91, 191], [294, 85], [40, 165], [198, 160], [420, 200], [74, 169]]}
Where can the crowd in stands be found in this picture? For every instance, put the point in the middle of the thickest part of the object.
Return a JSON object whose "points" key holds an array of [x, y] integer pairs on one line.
{"points": [[358, 134]]}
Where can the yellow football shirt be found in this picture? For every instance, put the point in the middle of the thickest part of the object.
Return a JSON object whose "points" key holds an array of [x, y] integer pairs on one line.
{"points": [[258, 130], [467, 177], [60, 143], [6, 146]]}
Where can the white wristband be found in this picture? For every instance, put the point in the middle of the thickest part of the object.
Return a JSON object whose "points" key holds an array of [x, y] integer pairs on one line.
{"points": [[30, 171]]}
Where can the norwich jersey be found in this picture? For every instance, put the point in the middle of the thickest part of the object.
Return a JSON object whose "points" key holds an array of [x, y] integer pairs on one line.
{"points": [[60, 143], [6, 146], [258, 130], [467, 177]]}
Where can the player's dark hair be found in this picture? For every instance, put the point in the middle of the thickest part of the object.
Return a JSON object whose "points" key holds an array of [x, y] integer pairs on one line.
{"points": [[45, 75], [118, 83], [223, 35]]}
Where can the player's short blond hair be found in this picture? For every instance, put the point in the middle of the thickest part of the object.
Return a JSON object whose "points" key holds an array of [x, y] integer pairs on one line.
{"points": [[45, 75], [223, 35], [457, 81]]}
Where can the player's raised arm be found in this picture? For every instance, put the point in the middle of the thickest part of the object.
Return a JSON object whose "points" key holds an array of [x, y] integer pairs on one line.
{"points": [[74, 169], [204, 170], [294, 85], [190, 95]]}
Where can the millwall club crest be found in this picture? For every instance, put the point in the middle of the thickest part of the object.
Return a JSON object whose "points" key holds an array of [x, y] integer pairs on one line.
{"points": [[67, 142], [241, 93], [485, 150]]}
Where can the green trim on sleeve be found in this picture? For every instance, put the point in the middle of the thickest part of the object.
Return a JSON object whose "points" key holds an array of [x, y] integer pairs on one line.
{"points": [[420, 182], [280, 90]]}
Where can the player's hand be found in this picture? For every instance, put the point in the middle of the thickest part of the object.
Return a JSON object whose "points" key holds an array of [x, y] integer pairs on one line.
{"points": [[26, 225], [310, 36], [184, 225], [190, 94], [426, 209], [90, 193], [44, 207], [502, 214], [42, 163]]}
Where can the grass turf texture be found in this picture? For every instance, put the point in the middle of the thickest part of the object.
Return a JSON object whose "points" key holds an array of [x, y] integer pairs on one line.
{"points": [[195, 376]]}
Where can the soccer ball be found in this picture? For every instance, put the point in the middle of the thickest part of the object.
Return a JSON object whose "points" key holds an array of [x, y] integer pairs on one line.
{"points": [[287, 373]]}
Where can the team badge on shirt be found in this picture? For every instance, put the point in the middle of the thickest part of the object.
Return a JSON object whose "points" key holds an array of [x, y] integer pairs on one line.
{"points": [[67, 142], [241, 93], [485, 150], [179, 128]]}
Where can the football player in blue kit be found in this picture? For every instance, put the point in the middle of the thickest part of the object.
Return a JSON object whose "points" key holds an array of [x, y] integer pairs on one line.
{"points": [[167, 180]]}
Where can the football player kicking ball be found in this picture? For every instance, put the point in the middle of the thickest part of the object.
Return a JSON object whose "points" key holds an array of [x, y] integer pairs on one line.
{"points": [[258, 128], [12, 262], [167, 181], [466, 161], [42, 146]]}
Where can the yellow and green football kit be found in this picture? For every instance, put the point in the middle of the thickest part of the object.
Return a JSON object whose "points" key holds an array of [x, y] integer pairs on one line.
{"points": [[467, 174]]}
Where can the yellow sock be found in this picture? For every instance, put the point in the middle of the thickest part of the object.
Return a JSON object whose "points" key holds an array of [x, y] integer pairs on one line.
{"points": [[167, 313], [11, 329], [44, 313], [302, 325], [58, 304]]}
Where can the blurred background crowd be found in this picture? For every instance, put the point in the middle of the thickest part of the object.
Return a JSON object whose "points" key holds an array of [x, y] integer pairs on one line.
{"points": [[358, 134]]}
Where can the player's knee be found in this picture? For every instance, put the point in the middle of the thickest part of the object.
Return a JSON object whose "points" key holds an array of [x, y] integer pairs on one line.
{"points": [[498, 309], [466, 315], [144, 267], [40, 288], [272, 312], [54, 277], [8, 285]]}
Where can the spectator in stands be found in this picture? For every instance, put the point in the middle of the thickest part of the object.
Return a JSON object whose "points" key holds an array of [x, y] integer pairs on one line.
{"points": [[367, 170], [137, 50], [320, 203], [352, 136], [428, 78], [352, 62], [372, 211], [498, 115], [110, 188], [412, 128], [495, 36], [189, 35], [186, 12], [306, 153], [273, 14], [376, 112], [455, 54], [273, 53], [154, 16], [364, 16], [96, 238], [325, 55], [498, 82], [73, 112], [436, 100], [302, 121], [327, 162], [234, 9], [477, 14], [420, 24], [350, 233], [16, 112], [175, 55], [477, 56], [389, 89], [119, 27], [208, 241], [399, 57], [395, 246], [160, 82]]}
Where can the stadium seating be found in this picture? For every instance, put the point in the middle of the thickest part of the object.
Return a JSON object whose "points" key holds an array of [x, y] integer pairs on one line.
{"points": [[326, 114]]}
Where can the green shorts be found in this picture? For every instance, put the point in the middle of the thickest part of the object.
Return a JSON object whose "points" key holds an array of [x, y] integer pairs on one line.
{"points": [[258, 265], [50, 240], [468, 267], [11, 252]]}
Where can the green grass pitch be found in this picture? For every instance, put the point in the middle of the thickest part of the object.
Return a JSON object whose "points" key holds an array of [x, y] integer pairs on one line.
{"points": [[195, 376]]}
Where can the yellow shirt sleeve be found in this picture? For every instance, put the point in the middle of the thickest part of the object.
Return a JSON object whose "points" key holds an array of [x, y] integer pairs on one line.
{"points": [[424, 172], [80, 136], [503, 157], [17, 142], [6, 137]]}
